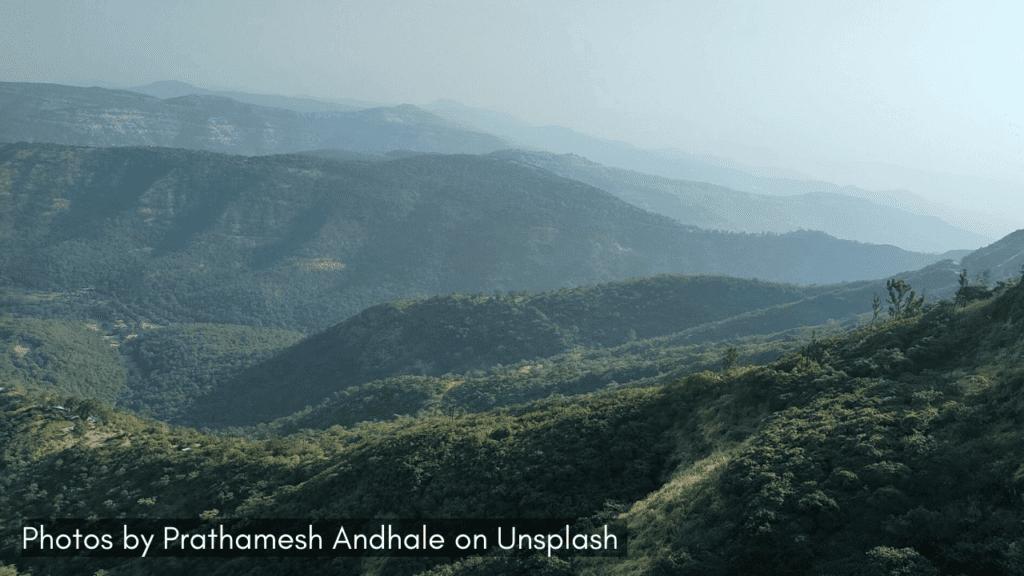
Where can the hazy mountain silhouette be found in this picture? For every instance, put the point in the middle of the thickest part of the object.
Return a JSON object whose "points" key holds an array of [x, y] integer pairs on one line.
{"points": [[715, 207], [193, 118], [100, 117], [173, 89], [677, 164]]}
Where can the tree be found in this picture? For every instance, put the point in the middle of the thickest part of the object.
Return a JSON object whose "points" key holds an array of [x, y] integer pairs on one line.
{"points": [[729, 358], [876, 309], [961, 293], [902, 305]]}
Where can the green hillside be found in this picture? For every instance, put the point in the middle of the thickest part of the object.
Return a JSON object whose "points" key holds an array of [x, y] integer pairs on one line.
{"points": [[459, 335], [63, 356], [298, 242], [579, 371], [404, 357], [170, 368], [896, 449]]}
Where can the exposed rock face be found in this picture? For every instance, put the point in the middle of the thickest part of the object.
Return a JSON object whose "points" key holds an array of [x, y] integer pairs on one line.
{"points": [[99, 117]]}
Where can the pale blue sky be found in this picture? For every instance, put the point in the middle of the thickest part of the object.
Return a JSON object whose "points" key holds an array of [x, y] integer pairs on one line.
{"points": [[930, 85]]}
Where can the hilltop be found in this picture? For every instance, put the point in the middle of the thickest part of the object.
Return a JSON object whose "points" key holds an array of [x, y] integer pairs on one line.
{"points": [[451, 335]]}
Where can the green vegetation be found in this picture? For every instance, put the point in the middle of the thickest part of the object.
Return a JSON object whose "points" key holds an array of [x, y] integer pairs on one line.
{"points": [[903, 305], [876, 309], [570, 341], [301, 242], [64, 356], [892, 449], [399, 358], [170, 368], [729, 358], [739, 426], [647, 363]]}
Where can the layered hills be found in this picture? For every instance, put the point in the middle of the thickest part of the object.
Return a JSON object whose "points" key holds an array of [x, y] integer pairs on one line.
{"points": [[891, 449], [449, 335], [166, 89], [177, 115], [374, 331], [716, 207], [981, 228], [300, 242], [407, 357]]}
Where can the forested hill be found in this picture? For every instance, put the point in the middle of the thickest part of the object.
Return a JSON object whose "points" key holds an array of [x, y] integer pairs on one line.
{"points": [[894, 449], [100, 117], [301, 242], [458, 334], [486, 350]]}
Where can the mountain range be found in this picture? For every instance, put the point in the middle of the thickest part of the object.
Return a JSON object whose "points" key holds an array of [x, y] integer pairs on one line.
{"points": [[204, 120], [100, 117], [889, 449], [771, 181], [214, 311], [296, 241], [173, 89], [716, 207]]}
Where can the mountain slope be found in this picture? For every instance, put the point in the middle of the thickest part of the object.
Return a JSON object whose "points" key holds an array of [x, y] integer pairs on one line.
{"points": [[1001, 259], [895, 449], [458, 334], [60, 356], [171, 367], [302, 243], [173, 89], [709, 206], [676, 164], [476, 352]]}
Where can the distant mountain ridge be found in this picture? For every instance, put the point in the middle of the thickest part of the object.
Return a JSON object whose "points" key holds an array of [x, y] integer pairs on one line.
{"points": [[172, 89], [715, 207], [230, 122], [99, 117], [676, 164], [165, 89]]}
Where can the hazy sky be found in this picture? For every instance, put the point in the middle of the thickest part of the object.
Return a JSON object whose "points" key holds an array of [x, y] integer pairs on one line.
{"points": [[931, 85]]}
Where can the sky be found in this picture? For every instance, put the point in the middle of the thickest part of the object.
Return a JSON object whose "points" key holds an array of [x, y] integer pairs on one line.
{"points": [[830, 88]]}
